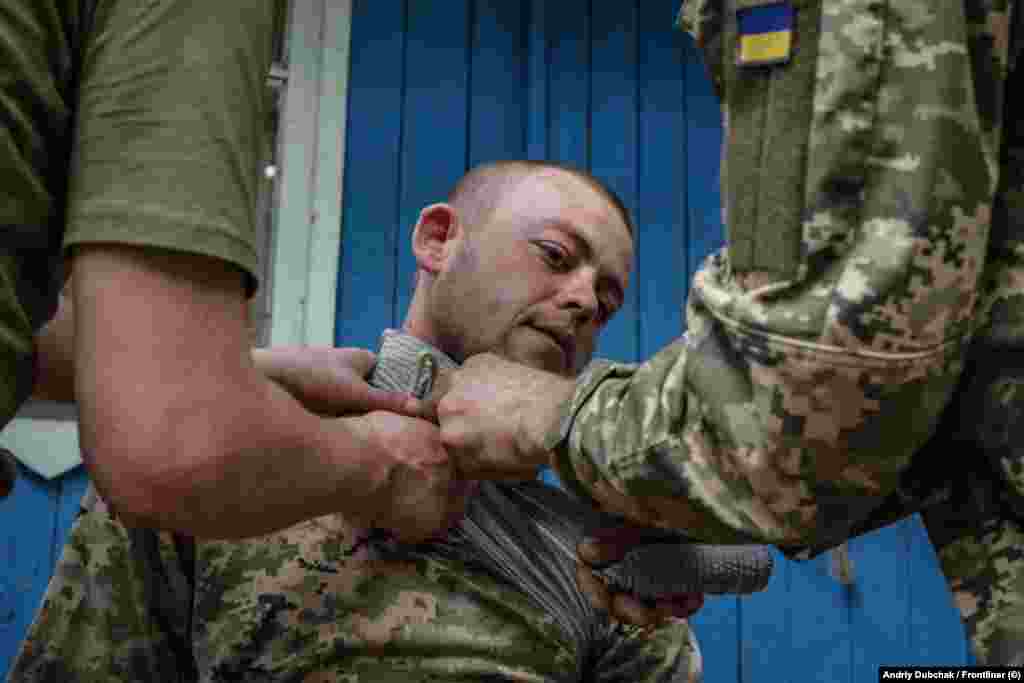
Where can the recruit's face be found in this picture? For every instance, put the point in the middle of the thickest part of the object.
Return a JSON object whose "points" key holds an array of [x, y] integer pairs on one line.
{"points": [[539, 279]]}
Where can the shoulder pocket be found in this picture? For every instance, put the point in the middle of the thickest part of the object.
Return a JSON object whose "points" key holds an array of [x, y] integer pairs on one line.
{"points": [[769, 79]]}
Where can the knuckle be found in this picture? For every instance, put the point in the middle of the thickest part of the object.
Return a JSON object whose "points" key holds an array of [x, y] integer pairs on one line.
{"points": [[593, 587], [452, 435], [448, 403]]}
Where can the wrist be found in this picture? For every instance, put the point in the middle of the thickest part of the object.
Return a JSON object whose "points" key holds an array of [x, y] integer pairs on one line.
{"points": [[545, 417], [362, 467]]}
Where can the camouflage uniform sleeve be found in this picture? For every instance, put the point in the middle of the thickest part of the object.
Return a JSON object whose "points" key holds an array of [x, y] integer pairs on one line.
{"points": [[984, 562], [825, 340]]}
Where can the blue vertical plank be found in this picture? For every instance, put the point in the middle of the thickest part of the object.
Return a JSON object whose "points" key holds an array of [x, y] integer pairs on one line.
{"points": [[537, 80], [765, 644], [613, 146], [370, 220], [799, 627], [703, 154], [880, 623], [821, 629], [717, 629], [660, 280], [72, 488], [28, 535], [807, 615], [773, 635], [498, 82], [937, 635], [568, 96], [435, 125]]}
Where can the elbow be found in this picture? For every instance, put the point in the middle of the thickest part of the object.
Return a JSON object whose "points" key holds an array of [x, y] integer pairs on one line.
{"points": [[145, 476]]}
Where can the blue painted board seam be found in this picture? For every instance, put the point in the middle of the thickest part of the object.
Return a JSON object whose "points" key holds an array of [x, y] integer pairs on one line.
{"points": [[471, 16], [588, 24], [396, 227], [684, 112], [639, 164]]}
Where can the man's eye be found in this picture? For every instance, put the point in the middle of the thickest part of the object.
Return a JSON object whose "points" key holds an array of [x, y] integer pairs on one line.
{"points": [[555, 255]]}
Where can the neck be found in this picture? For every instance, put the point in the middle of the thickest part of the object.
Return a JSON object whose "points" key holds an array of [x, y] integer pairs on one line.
{"points": [[417, 322]]}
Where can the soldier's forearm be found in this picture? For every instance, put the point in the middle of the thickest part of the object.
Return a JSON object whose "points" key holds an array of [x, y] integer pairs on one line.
{"points": [[731, 451]]}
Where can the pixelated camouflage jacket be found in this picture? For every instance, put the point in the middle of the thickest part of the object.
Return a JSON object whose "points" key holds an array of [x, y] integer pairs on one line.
{"points": [[314, 602], [869, 299]]}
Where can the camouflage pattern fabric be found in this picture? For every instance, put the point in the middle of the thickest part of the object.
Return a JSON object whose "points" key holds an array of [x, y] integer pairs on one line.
{"points": [[326, 601], [865, 319], [317, 602]]}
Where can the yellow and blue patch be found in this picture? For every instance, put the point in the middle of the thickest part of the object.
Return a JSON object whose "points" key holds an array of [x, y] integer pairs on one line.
{"points": [[765, 34]]}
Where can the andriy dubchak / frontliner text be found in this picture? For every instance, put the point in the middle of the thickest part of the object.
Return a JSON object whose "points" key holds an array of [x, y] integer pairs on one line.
{"points": [[950, 674]]}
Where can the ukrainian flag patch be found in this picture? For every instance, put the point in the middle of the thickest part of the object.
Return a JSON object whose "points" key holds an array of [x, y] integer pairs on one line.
{"points": [[765, 34]]}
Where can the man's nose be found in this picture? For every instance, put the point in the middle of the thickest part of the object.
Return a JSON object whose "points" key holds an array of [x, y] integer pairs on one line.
{"points": [[581, 296]]}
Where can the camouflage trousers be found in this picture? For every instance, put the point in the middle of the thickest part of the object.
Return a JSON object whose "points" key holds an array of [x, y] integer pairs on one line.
{"points": [[310, 603], [986, 574]]}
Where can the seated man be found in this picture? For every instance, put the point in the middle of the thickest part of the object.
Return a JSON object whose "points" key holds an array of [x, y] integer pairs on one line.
{"points": [[528, 260]]}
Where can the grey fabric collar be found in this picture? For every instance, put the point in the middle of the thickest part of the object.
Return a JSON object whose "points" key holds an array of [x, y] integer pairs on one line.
{"points": [[408, 364]]}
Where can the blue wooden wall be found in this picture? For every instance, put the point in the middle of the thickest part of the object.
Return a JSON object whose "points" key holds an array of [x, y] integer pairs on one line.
{"points": [[34, 521], [439, 86]]}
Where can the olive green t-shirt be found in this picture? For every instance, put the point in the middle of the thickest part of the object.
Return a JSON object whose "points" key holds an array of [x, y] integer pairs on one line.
{"points": [[122, 121]]}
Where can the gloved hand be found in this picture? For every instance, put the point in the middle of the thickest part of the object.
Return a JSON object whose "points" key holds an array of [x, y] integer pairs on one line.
{"points": [[607, 546], [651, 574]]}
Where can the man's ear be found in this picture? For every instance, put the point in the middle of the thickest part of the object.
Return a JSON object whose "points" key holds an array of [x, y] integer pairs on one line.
{"points": [[435, 236]]}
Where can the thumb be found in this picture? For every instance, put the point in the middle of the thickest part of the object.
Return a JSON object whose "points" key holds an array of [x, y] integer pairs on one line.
{"points": [[364, 396], [369, 399], [440, 387], [609, 545], [361, 361]]}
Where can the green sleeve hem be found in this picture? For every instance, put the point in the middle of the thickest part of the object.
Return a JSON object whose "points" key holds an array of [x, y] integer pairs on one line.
{"points": [[177, 233]]}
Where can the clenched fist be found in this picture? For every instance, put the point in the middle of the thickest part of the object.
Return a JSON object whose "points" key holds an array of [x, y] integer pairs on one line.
{"points": [[494, 415], [417, 494]]}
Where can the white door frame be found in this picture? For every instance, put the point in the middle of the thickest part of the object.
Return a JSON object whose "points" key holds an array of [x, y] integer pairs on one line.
{"points": [[303, 273]]}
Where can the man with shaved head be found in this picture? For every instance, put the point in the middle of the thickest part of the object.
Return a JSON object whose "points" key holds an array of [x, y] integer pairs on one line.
{"points": [[478, 192], [529, 260]]}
